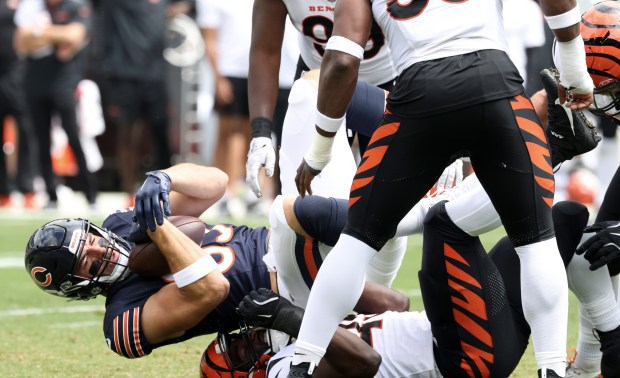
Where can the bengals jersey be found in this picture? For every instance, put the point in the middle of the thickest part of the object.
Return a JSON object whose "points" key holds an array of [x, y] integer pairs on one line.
{"points": [[238, 250], [403, 339], [432, 29], [315, 21]]}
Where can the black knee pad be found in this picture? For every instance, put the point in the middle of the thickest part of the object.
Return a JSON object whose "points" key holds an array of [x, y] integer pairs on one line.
{"points": [[569, 220], [322, 218]]}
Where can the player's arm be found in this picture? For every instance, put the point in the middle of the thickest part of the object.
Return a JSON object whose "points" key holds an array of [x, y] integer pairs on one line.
{"points": [[199, 287], [183, 189], [563, 17], [339, 71], [268, 25], [195, 188], [347, 354]]}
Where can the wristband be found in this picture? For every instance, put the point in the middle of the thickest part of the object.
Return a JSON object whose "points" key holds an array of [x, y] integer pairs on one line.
{"points": [[261, 127], [195, 271], [346, 46], [570, 59], [564, 20], [326, 123], [320, 152]]}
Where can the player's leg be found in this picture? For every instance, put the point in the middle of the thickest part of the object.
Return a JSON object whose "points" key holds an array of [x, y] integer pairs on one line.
{"points": [[511, 159], [471, 314], [41, 113], [64, 103], [397, 169], [155, 97]]}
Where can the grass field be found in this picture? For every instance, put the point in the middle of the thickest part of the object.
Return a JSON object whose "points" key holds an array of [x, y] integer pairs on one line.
{"points": [[45, 336]]}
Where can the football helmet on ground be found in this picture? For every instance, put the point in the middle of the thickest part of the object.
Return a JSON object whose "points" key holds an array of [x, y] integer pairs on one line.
{"points": [[54, 249], [237, 355]]}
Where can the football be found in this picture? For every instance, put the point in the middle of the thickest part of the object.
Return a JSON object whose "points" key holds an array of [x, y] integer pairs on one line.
{"points": [[146, 259]]}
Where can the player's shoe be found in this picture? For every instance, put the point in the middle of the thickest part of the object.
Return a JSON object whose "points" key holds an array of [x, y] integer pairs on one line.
{"points": [[569, 132], [547, 373], [5, 200], [610, 346], [573, 372], [299, 371]]}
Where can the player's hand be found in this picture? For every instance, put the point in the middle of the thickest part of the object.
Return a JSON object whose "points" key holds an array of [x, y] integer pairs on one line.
{"points": [[604, 246], [303, 178], [451, 176], [264, 308], [261, 154], [574, 100], [152, 197], [138, 235]]}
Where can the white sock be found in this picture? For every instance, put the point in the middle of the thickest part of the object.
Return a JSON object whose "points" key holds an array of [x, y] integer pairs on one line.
{"points": [[384, 266], [595, 293], [589, 355], [336, 290], [544, 291]]}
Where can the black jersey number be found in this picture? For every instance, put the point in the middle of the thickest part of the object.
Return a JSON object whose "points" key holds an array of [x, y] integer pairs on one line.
{"points": [[411, 9], [311, 24]]}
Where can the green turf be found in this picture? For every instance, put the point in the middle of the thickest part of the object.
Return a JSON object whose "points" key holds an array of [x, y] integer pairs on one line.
{"points": [[72, 345]]}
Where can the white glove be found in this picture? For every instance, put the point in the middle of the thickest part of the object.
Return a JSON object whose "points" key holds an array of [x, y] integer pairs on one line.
{"points": [[451, 176], [261, 154]]}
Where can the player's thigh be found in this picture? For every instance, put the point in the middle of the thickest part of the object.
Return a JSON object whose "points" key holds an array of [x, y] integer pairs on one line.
{"points": [[402, 162], [295, 257], [512, 161]]}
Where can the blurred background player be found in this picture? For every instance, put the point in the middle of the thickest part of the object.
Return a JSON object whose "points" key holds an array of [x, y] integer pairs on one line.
{"points": [[134, 88], [53, 37], [13, 104], [226, 29]]}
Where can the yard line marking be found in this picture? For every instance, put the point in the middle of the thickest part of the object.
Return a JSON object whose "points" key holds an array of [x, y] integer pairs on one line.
{"points": [[11, 262], [90, 323], [47, 310], [409, 292]]}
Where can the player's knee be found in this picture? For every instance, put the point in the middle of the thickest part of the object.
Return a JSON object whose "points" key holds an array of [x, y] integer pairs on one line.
{"points": [[321, 218], [438, 220]]}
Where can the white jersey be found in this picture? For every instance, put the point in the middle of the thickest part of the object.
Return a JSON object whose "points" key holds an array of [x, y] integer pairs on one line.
{"points": [[403, 339], [433, 29], [314, 20]]}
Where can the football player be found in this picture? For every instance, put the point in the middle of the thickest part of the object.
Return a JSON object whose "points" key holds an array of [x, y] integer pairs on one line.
{"points": [[315, 21], [76, 259], [457, 92], [490, 321]]}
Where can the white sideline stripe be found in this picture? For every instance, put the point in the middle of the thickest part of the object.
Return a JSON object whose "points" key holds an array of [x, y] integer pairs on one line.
{"points": [[90, 323], [11, 262], [53, 310], [409, 292]]}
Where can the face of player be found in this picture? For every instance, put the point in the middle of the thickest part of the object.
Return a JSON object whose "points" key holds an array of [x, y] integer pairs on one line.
{"points": [[97, 258], [241, 350]]}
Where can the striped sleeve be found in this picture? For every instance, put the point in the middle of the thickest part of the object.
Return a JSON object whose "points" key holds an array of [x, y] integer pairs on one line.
{"points": [[124, 335]]}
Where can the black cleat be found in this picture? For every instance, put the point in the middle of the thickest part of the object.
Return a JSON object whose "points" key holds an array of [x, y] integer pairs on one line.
{"points": [[569, 132], [547, 373], [300, 371], [610, 346]]}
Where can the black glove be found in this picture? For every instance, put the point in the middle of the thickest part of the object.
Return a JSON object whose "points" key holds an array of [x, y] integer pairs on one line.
{"points": [[264, 308], [150, 199], [604, 246]]}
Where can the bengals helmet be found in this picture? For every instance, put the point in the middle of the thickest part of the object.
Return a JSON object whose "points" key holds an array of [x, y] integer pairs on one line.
{"points": [[600, 30], [54, 249], [219, 361]]}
